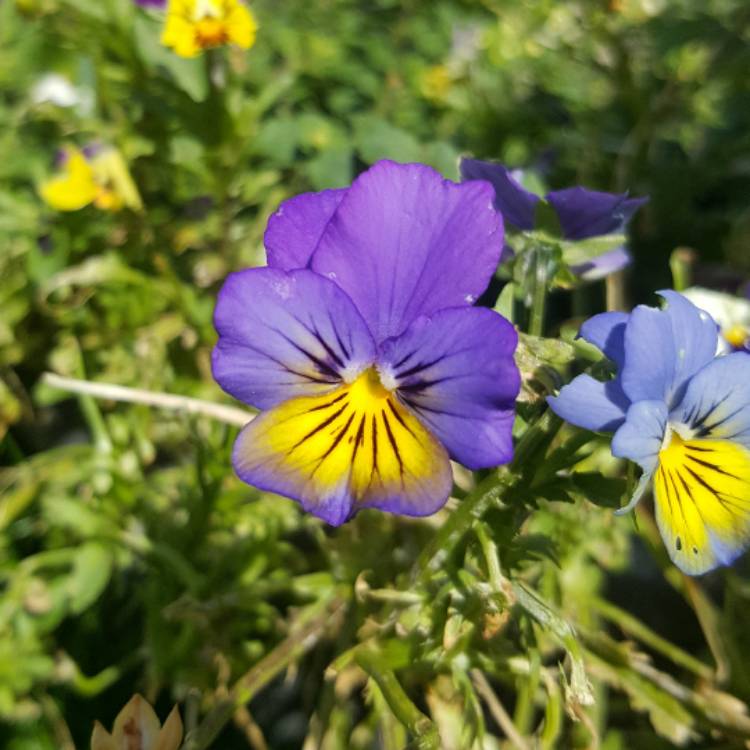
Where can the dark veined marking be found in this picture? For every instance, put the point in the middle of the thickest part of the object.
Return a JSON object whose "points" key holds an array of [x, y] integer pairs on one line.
{"points": [[715, 468], [329, 404], [668, 476], [401, 421], [678, 543], [421, 385], [332, 354], [699, 449], [323, 367], [418, 368], [341, 344], [332, 447], [359, 437], [317, 429], [375, 469], [706, 429], [394, 445], [726, 501]]}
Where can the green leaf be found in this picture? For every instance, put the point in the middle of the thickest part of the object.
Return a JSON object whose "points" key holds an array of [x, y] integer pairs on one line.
{"points": [[92, 567], [377, 139], [582, 251]]}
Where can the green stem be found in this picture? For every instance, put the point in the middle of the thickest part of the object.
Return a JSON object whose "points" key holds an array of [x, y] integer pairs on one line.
{"points": [[539, 298], [421, 726], [634, 627], [461, 520], [313, 624], [681, 263]]}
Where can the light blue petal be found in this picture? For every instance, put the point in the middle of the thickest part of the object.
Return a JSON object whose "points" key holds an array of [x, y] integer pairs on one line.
{"points": [[606, 331], [591, 404], [665, 348], [696, 337], [640, 438], [649, 366], [717, 400]]}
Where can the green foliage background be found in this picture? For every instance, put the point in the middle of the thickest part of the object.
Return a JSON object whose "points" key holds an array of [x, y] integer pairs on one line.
{"points": [[132, 559]]}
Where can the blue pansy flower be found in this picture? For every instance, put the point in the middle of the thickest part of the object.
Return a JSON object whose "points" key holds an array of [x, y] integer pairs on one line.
{"points": [[683, 414], [361, 346], [582, 213]]}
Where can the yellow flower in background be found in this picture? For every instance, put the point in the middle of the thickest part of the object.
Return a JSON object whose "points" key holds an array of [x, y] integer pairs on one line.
{"points": [[195, 25], [137, 728], [436, 82], [101, 178]]}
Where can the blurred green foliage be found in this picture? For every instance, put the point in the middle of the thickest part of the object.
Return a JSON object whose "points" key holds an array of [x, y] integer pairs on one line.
{"points": [[131, 559]]}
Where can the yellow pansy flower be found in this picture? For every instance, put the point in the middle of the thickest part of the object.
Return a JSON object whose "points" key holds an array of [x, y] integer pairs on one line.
{"points": [[137, 728], [101, 179], [195, 25]]}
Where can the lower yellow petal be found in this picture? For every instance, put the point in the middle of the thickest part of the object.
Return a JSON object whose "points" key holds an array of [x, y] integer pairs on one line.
{"points": [[353, 448], [702, 491], [73, 189]]}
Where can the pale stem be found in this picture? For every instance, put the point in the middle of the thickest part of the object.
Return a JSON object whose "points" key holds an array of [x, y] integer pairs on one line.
{"points": [[496, 708], [314, 624], [227, 414]]}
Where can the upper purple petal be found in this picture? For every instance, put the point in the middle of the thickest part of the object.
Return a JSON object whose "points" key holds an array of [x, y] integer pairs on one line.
{"points": [[455, 369], [592, 404], [294, 230], [665, 348], [588, 213], [152, 3], [516, 204], [404, 242], [606, 331], [603, 265], [286, 334]]}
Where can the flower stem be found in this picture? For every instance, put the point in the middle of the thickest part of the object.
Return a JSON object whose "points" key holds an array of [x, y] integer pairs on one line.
{"points": [[461, 520], [539, 298], [421, 726]]}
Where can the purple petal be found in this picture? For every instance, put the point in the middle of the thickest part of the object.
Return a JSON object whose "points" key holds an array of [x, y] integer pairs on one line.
{"points": [[516, 204], [588, 213], [603, 265], [294, 230], [151, 3], [640, 438], [649, 367], [591, 404], [606, 331], [405, 242], [665, 348], [286, 334], [356, 447], [455, 370]]}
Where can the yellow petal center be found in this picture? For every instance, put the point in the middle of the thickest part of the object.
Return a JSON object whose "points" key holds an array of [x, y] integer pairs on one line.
{"points": [[702, 490], [211, 32]]}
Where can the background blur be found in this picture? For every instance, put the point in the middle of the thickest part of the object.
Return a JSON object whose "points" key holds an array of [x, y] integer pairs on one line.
{"points": [[130, 558]]}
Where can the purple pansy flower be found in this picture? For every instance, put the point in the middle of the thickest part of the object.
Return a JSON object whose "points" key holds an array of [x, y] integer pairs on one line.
{"points": [[360, 345], [582, 213], [151, 3], [683, 414]]}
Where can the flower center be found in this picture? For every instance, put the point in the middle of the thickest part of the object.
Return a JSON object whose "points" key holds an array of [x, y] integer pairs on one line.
{"points": [[367, 391], [210, 32], [737, 336]]}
